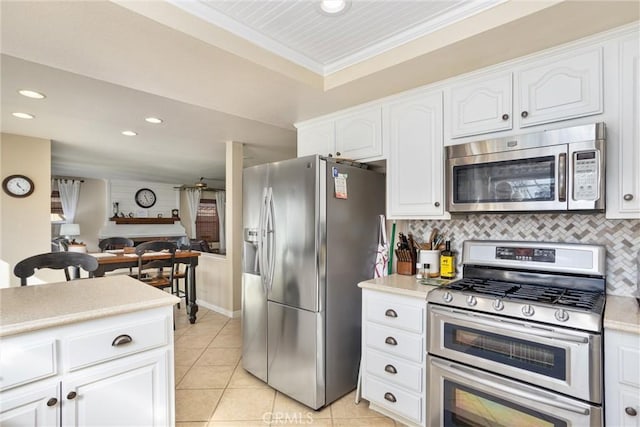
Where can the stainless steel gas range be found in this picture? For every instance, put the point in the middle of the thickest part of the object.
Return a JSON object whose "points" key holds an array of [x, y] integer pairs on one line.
{"points": [[518, 340]]}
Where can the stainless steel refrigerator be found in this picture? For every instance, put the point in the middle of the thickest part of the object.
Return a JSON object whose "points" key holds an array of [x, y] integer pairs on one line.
{"points": [[305, 250]]}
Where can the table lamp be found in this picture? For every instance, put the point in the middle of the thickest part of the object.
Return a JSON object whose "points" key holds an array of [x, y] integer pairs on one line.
{"points": [[69, 231]]}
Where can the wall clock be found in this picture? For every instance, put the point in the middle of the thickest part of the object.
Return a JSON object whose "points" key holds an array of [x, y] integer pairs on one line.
{"points": [[145, 198], [18, 186]]}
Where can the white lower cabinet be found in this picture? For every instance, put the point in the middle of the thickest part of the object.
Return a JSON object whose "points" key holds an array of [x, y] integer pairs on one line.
{"points": [[393, 350], [622, 378], [113, 371]]}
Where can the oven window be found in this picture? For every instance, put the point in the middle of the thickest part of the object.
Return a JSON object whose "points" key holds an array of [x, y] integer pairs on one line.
{"points": [[534, 357], [466, 407], [525, 180]]}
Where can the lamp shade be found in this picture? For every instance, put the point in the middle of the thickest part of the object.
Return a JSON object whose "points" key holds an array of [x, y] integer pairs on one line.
{"points": [[70, 230]]}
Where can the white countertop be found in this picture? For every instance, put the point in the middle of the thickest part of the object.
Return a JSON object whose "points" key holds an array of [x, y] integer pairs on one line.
{"points": [[29, 308], [402, 285], [622, 314]]}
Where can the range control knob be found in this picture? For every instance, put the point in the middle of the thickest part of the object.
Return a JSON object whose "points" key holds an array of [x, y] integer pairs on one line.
{"points": [[447, 297], [498, 305], [562, 315], [471, 301], [527, 310]]}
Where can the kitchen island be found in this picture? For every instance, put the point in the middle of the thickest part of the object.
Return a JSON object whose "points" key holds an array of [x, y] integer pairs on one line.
{"points": [[74, 351]]}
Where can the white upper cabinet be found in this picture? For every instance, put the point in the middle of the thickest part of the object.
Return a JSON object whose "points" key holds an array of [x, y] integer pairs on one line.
{"points": [[623, 174], [355, 136], [481, 106], [415, 163], [560, 88]]}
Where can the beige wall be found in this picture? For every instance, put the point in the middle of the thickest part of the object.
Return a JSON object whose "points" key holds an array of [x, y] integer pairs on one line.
{"points": [[25, 222], [233, 219]]}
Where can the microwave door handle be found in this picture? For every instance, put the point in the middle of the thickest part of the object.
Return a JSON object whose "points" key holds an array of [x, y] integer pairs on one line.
{"points": [[562, 177], [507, 388]]}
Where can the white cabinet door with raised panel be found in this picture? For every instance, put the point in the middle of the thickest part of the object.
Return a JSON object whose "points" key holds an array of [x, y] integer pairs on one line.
{"points": [[622, 378], [127, 392], [31, 406], [481, 106], [623, 191], [316, 139], [415, 164], [359, 135], [560, 88]]}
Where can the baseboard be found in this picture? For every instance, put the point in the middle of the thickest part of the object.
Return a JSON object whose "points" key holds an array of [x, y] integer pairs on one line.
{"points": [[223, 311]]}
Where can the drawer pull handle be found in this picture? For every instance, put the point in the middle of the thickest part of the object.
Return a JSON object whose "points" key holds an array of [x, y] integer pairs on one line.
{"points": [[391, 341], [121, 340], [630, 411], [390, 397], [391, 313], [628, 197], [72, 395], [52, 401], [391, 369]]}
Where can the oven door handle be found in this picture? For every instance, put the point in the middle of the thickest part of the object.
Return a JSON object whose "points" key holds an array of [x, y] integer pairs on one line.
{"points": [[513, 326], [508, 388]]}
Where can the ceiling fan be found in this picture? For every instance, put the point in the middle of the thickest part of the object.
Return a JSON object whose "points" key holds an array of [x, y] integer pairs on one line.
{"points": [[201, 185]]}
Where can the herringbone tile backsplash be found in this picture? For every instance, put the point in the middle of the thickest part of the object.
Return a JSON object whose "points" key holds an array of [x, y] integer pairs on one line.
{"points": [[620, 237]]}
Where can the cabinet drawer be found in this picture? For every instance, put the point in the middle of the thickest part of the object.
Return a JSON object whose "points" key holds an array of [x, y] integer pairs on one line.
{"points": [[123, 339], [629, 365], [392, 341], [397, 312], [394, 370], [22, 362], [408, 405]]}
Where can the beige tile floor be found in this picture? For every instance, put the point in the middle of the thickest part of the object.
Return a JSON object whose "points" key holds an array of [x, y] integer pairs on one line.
{"points": [[212, 389]]}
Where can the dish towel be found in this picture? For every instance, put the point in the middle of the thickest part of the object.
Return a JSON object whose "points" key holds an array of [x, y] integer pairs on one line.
{"points": [[382, 252]]}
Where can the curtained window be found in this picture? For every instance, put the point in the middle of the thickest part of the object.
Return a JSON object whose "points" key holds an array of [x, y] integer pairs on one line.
{"points": [[207, 227]]}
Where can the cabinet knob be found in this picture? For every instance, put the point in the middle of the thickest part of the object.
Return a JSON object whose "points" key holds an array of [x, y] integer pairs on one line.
{"points": [[505, 117], [338, 153], [628, 197], [524, 114], [72, 395], [391, 313], [52, 402], [391, 369], [391, 341], [436, 204], [630, 411], [330, 155], [390, 397], [121, 340]]}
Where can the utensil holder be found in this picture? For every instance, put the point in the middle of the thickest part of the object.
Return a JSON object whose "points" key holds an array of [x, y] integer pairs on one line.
{"points": [[406, 268]]}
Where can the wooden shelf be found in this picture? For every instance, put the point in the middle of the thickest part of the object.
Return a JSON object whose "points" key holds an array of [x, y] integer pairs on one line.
{"points": [[144, 220]]}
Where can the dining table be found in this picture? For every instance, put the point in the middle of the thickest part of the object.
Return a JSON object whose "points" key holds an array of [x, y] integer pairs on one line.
{"points": [[116, 259]]}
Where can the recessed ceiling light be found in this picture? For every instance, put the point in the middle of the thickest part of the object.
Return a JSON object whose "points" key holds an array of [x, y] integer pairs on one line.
{"points": [[154, 120], [334, 7], [31, 94], [23, 115], [129, 133]]}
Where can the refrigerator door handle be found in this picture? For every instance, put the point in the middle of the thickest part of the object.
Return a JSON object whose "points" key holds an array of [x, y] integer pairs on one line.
{"points": [[260, 256], [271, 235]]}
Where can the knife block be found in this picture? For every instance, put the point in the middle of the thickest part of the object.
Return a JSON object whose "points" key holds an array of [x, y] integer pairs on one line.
{"points": [[406, 268]]}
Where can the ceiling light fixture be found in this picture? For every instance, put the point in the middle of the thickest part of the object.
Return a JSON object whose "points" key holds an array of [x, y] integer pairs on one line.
{"points": [[154, 120], [23, 115], [31, 94], [129, 133], [334, 7]]}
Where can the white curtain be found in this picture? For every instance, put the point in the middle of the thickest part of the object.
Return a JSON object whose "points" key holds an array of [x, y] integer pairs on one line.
{"points": [[193, 200], [69, 190], [220, 207]]}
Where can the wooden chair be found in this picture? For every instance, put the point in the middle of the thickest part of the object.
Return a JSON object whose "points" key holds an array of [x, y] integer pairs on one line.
{"points": [[111, 243], [54, 260], [156, 278]]}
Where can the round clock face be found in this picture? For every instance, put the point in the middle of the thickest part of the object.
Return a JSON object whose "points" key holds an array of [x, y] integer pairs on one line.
{"points": [[145, 198], [18, 186]]}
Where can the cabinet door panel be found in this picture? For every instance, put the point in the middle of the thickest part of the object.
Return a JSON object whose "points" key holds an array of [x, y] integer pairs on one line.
{"points": [[415, 164], [481, 106], [359, 136], [316, 139], [27, 406], [561, 88]]}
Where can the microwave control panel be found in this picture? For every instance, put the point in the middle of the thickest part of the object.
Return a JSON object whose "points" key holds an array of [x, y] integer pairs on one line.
{"points": [[586, 182]]}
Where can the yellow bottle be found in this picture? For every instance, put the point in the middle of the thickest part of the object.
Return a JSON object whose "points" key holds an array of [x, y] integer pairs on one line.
{"points": [[447, 262]]}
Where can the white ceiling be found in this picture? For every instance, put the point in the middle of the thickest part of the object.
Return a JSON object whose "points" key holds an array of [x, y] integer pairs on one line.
{"points": [[105, 65]]}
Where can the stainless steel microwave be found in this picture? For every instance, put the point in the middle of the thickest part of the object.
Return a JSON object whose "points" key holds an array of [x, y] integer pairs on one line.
{"points": [[556, 170]]}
